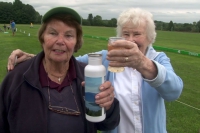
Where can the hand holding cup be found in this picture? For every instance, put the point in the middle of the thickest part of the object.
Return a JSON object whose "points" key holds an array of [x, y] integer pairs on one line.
{"points": [[111, 47]]}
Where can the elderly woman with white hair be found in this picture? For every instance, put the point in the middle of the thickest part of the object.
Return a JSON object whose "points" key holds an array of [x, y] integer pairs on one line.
{"points": [[148, 79]]}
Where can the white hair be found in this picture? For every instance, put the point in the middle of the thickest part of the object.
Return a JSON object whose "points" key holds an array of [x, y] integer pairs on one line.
{"points": [[137, 17]]}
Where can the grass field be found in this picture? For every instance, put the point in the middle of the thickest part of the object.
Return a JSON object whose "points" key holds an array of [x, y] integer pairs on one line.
{"points": [[183, 116]]}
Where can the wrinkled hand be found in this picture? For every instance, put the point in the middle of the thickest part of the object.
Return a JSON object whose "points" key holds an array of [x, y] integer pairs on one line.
{"points": [[16, 57], [106, 95], [129, 55], [132, 55]]}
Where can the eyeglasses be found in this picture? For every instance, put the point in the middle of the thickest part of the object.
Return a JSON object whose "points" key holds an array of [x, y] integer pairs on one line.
{"points": [[63, 110]]}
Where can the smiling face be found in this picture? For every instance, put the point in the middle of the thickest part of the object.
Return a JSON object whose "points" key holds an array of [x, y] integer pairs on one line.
{"points": [[136, 34], [59, 41]]}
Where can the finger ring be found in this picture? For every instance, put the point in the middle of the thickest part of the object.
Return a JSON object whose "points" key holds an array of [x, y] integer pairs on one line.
{"points": [[126, 59]]}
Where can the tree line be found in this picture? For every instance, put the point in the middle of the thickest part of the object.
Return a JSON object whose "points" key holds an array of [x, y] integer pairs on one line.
{"points": [[183, 27], [19, 12], [26, 14]]}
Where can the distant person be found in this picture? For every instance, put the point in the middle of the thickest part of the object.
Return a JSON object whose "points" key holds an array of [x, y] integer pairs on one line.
{"points": [[4, 27], [8, 27], [31, 26], [13, 27]]}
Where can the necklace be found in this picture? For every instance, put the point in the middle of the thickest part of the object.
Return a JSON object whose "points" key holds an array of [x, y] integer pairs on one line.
{"points": [[58, 78]]}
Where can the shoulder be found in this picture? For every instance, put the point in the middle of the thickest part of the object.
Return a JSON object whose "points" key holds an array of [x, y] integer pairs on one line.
{"points": [[15, 77], [79, 68], [162, 56], [19, 70], [81, 64], [23, 65]]}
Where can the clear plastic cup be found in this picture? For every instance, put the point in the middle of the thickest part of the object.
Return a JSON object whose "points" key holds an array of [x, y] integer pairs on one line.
{"points": [[110, 47]]}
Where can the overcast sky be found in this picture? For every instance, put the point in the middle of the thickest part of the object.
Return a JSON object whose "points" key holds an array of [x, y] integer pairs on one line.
{"points": [[178, 11]]}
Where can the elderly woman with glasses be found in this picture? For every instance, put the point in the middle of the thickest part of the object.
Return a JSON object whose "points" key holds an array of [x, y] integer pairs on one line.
{"points": [[44, 94]]}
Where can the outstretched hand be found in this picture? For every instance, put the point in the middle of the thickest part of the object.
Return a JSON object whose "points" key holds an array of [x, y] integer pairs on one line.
{"points": [[129, 55], [132, 55]]}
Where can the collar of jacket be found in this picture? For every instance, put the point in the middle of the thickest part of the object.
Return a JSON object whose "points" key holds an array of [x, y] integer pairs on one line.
{"points": [[31, 74]]}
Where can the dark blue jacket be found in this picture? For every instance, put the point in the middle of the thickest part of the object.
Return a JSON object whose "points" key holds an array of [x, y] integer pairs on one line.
{"points": [[23, 108]]}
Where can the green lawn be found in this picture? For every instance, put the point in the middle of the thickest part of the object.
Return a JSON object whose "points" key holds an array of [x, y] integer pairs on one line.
{"points": [[180, 117]]}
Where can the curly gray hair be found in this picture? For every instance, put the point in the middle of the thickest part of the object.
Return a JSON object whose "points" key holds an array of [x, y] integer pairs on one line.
{"points": [[137, 17]]}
